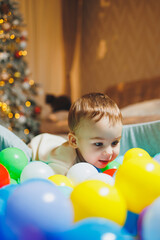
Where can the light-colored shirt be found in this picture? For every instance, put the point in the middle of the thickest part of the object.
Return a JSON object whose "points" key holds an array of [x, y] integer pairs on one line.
{"points": [[55, 151]]}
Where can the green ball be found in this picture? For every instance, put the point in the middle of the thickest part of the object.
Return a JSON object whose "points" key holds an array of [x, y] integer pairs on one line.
{"points": [[114, 164], [14, 159], [13, 181]]}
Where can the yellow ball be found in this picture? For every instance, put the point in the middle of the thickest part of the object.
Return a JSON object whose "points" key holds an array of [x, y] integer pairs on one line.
{"points": [[61, 180], [139, 181], [94, 198], [136, 153]]}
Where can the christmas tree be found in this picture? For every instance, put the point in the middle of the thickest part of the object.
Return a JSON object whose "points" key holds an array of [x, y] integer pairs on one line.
{"points": [[18, 109]]}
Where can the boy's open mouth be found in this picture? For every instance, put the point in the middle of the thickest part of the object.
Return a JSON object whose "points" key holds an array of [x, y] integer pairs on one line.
{"points": [[104, 162]]}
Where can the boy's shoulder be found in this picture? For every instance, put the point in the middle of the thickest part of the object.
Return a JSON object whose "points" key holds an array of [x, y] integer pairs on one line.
{"points": [[65, 153]]}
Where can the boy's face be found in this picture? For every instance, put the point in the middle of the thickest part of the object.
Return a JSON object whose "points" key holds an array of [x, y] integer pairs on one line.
{"points": [[98, 143]]}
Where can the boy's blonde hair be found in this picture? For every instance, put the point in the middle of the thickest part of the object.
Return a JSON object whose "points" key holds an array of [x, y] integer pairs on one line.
{"points": [[93, 106]]}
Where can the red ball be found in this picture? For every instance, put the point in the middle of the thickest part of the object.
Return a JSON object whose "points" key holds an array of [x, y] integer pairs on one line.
{"points": [[110, 171], [4, 176]]}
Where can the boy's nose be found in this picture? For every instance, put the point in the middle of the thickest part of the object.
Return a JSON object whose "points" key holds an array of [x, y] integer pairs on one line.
{"points": [[107, 151]]}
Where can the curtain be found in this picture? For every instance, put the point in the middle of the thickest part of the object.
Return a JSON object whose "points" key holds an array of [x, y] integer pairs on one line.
{"points": [[71, 19], [54, 40], [45, 45]]}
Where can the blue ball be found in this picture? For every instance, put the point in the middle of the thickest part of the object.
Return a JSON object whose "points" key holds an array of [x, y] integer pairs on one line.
{"points": [[5, 192], [37, 206], [95, 229], [157, 157], [65, 190], [151, 222]]}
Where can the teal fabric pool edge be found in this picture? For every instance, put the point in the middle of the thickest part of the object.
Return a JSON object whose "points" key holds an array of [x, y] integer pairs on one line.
{"points": [[142, 135], [9, 139]]}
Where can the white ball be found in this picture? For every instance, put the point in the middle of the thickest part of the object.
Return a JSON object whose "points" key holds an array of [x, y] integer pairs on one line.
{"points": [[80, 172], [102, 177], [36, 169]]}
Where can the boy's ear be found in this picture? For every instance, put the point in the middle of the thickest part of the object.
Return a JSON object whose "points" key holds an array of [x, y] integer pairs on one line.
{"points": [[72, 140]]}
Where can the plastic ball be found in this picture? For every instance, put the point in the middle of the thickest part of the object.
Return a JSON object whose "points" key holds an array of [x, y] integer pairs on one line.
{"points": [[94, 198], [138, 180], [4, 176], [112, 165], [5, 192], [102, 177], [65, 190], [136, 153], [13, 181], [110, 172], [36, 169], [151, 222], [38, 204], [61, 180], [157, 157], [14, 159], [80, 172], [95, 229], [140, 221]]}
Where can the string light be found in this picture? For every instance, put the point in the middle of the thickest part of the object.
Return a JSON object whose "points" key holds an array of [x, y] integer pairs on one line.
{"points": [[2, 83], [12, 36], [20, 53], [23, 53], [1, 21], [11, 80], [10, 115], [17, 115], [31, 82], [4, 107], [17, 74], [28, 104], [26, 131]]}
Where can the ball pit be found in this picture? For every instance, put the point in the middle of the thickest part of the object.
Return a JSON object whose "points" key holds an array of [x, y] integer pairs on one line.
{"points": [[36, 203]]}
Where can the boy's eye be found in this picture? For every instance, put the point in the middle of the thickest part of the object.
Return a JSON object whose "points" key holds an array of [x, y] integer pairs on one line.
{"points": [[98, 144], [115, 143]]}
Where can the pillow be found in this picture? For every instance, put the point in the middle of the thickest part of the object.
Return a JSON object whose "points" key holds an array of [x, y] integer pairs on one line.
{"points": [[142, 135], [9, 139]]}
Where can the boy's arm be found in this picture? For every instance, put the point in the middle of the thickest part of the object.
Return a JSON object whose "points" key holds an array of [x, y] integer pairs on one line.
{"points": [[9, 139]]}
